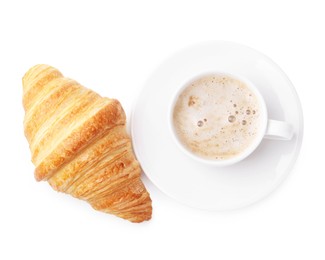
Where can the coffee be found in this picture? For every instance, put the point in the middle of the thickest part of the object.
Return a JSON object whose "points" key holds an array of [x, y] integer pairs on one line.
{"points": [[216, 117]]}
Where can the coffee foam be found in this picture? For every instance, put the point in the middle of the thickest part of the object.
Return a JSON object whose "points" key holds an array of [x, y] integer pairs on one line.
{"points": [[216, 117]]}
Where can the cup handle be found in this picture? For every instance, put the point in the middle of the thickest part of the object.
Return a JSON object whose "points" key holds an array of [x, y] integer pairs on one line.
{"points": [[278, 130]]}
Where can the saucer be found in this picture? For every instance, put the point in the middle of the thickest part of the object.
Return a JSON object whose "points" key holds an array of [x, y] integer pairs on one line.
{"points": [[210, 187]]}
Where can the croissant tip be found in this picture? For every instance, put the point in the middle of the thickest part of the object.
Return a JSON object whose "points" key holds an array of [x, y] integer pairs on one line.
{"points": [[141, 219], [37, 177], [38, 174]]}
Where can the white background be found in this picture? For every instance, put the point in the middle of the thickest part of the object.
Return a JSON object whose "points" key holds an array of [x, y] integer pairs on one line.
{"points": [[112, 47]]}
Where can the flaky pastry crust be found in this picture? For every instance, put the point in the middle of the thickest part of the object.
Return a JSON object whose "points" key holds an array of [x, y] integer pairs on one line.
{"points": [[79, 144]]}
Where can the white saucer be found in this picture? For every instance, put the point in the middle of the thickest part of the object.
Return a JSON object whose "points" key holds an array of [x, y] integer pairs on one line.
{"points": [[209, 187]]}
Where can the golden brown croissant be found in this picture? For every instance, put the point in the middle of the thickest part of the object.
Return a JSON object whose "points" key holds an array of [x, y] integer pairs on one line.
{"points": [[79, 144]]}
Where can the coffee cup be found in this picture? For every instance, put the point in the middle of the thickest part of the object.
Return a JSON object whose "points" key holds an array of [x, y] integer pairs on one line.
{"points": [[218, 118]]}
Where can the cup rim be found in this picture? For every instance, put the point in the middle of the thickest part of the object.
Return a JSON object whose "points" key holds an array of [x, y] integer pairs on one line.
{"points": [[249, 150]]}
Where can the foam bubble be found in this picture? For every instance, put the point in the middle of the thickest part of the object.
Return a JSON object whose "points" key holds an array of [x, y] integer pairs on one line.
{"points": [[231, 119]]}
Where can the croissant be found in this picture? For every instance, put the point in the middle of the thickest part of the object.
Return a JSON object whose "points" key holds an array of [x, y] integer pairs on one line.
{"points": [[79, 144]]}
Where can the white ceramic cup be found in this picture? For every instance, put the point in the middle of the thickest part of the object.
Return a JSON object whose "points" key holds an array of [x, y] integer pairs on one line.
{"points": [[268, 129]]}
